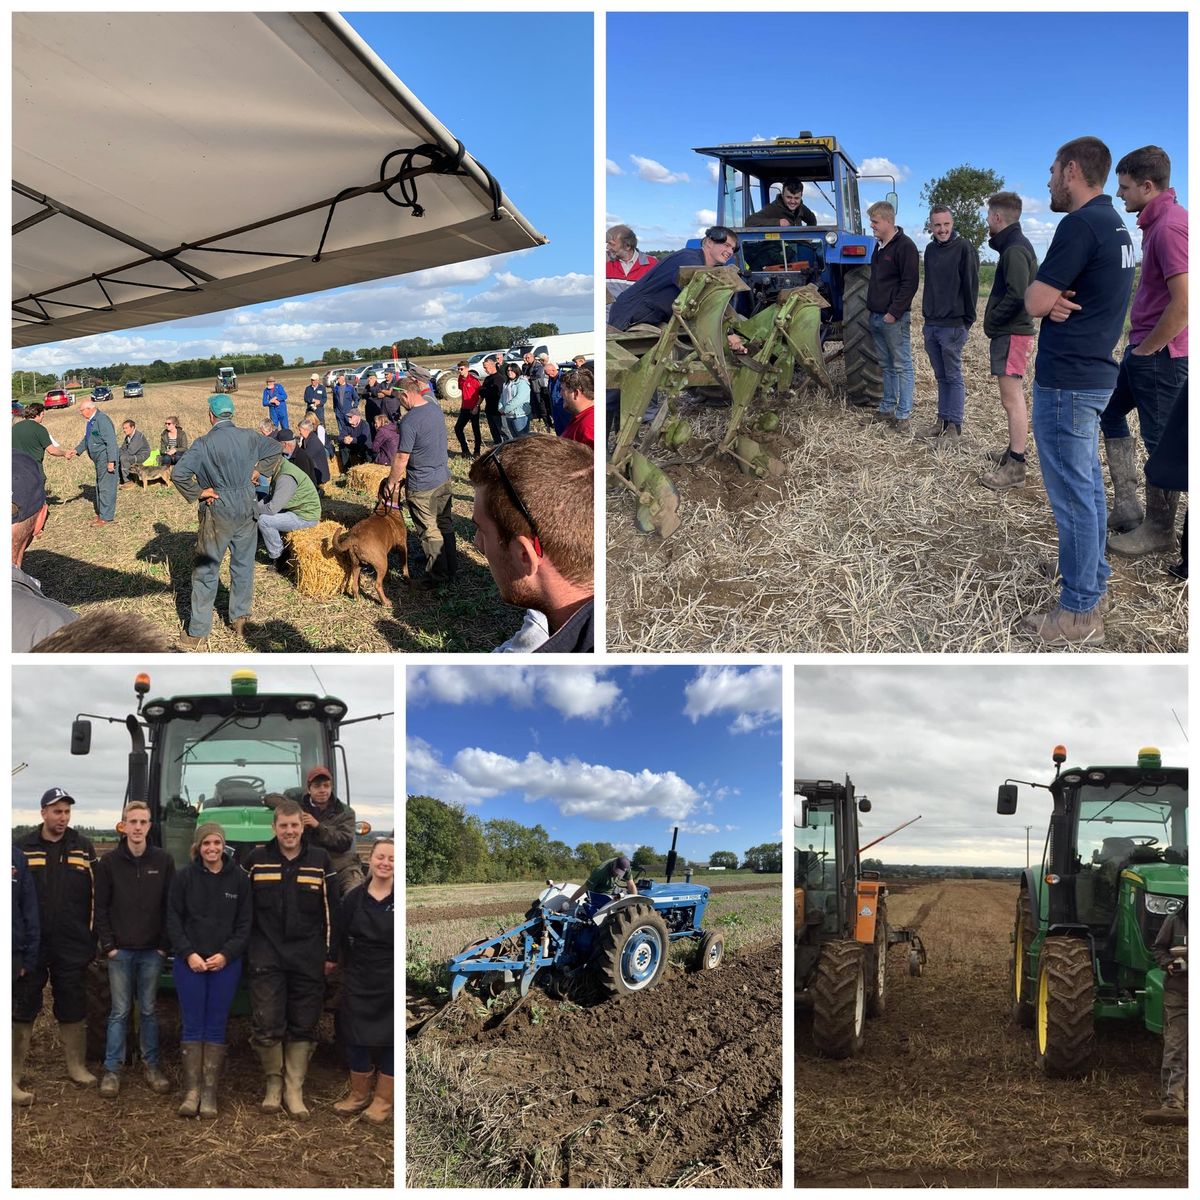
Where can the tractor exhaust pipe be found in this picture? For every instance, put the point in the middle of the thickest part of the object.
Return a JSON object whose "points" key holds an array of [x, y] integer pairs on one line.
{"points": [[671, 858]]}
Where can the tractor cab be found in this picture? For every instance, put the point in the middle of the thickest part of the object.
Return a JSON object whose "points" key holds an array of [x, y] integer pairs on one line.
{"points": [[199, 758], [750, 175], [826, 847]]}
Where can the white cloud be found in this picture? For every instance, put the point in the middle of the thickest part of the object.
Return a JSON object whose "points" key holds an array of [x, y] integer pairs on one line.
{"points": [[700, 829], [578, 788], [758, 137], [473, 271], [655, 172], [427, 775], [752, 694], [714, 171], [1032, 204], [582, 692], [706, 217], [878, 165], [611, 168]]}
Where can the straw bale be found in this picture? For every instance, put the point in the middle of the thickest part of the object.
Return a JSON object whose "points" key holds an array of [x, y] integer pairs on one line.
{"points": [[367, 477], [317, 569]]}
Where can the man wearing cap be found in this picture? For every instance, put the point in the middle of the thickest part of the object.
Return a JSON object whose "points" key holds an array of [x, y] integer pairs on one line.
{"points": [[34, 616], [330, 824], [314, 397], [100, 441], [344, 399], [62, 863], [603, 883], [356, 443], [292, 947], [294, 502], [297, 454], [275, 402], [215, 473]]}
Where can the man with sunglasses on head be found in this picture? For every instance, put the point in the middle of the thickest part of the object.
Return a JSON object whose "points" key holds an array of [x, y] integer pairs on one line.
{"points": [[422, 463], [649, 300], [533, 519]]}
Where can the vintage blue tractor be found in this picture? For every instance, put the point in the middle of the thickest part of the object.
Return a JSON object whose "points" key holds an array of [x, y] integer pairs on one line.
{"points": [[620, 946]]}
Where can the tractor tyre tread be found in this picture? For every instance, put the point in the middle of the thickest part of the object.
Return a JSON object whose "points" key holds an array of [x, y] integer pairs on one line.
{"points": [[835, 987], [864, 372], [606, 959], [876, 977], [1070, 1024], [1023, 1011]]}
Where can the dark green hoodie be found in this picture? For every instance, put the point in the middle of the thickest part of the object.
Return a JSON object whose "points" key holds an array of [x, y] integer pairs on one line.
{"points": [[1005, 312]]}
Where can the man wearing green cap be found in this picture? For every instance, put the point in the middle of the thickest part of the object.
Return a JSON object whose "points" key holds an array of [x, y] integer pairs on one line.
{"points": [[215, 473]]}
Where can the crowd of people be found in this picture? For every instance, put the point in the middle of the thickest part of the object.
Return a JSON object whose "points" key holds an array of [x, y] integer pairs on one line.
{"points": [[281, 921], [1081, 291], [253, 486]]}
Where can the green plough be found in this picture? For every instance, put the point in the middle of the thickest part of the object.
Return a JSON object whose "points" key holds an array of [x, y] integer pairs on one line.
{"points": [[693, 351]]}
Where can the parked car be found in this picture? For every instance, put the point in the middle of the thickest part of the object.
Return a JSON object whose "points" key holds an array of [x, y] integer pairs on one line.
{"points": [[58, 398], [336, 373], [101, 392], [133, 389]]}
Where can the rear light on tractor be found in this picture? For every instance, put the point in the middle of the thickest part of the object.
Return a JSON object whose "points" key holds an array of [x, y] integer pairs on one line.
{"points": [[1054, 879], [854, 252]]}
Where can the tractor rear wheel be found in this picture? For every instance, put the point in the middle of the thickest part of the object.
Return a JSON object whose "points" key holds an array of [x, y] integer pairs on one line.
{"points": [[1019, 988], [448, 387], [864, 374], [711, 952], [631, 953], [877, 966], [839, 993], [1065, 1037]]}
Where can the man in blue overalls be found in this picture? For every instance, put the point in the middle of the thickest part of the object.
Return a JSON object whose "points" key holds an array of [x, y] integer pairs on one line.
{"points": [[215, 474]]}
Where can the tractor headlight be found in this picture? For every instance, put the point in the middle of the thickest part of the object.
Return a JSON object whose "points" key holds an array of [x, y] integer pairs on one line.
{"points": [[831, 238], [154, 711], [1163, 906]]}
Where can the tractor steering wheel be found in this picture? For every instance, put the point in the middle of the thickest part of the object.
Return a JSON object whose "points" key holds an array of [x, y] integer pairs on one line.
{"points": [[1144, 839]]}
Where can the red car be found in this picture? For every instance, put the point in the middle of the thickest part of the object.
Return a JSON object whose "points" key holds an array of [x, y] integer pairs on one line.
{"points": [[58, 398]]}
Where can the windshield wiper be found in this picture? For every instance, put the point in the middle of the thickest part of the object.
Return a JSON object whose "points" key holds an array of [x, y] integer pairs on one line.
{"points": [[213, 732]]}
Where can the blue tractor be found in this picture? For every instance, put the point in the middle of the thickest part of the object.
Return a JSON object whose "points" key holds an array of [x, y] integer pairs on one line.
{"points": [[620, 947], [834, 254]]}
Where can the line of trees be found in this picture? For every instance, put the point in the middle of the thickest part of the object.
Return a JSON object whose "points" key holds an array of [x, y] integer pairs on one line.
{"points": [[446, 844]]}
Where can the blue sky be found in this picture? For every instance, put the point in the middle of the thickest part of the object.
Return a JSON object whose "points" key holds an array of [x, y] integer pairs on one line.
{"points": [[523, 108], [932, 90], [619, 754]]}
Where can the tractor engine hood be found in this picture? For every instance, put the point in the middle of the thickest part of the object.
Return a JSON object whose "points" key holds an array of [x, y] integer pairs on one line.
{"points": [[1160, 879], [674, 891]]}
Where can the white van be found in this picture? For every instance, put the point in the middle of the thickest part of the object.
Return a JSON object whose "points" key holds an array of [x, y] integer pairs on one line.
{"points": [[561, 347]]}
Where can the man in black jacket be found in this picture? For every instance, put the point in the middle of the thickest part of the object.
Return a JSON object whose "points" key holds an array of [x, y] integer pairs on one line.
{"points": [[489, 394], [61, 862], [788, 208], [330, 824], [292, 948], [132, 883], [895, 275], [1010, 331], [948, 304], [1170, 952]]}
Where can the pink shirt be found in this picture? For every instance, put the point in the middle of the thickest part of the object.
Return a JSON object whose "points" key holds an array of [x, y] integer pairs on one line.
{"points": [[1163, 223]]}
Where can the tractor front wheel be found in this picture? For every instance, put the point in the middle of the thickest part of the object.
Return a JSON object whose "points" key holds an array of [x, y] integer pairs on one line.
{"points": [[632, 951], [864, 374], [1018, 964], [840, 999], [712, 950], [1065, 1036], [877, 966]]}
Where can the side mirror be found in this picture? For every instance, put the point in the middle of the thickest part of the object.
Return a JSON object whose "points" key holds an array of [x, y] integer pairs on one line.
{"points": [[894, 201], [864, 805], [363, 828], [1006, 799], [81, 737], [803, 813]]}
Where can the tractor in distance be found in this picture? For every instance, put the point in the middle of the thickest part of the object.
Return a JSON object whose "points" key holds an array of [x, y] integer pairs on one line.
{"points": [[1113, 867], [217, 757], [842, 930], [226, 379]]}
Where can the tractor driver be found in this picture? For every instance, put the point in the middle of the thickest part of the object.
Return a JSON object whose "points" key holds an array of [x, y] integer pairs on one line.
{"points": [[788, 208], [605, 881]]}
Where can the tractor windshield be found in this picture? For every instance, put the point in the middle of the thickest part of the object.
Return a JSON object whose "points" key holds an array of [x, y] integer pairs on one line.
{"points": [[239, 763], [1122, 825], [817, 865]]}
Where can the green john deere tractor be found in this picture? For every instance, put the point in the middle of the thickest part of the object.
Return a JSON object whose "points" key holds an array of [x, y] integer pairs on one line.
{"points": [[1114, 867]]}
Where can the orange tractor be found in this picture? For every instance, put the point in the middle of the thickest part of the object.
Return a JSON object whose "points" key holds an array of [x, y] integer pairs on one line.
{"points": [[842, 931]]}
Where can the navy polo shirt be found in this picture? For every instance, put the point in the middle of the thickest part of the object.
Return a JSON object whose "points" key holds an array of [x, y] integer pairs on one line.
{"points": [[1091, 255], [649, 300]]}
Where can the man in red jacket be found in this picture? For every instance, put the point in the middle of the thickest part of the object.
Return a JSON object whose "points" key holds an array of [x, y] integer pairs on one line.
{"points": [[468, 412], [578, 392], [625, 265]]}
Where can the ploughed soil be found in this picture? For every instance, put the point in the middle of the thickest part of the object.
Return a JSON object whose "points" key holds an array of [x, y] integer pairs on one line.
{"points": [[458, 912], [674, 1087], [71, 1137], [946, 1092]]}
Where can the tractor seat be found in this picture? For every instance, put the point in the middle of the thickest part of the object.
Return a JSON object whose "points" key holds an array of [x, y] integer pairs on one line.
{"points": [[235, 794], [1113, 849]]}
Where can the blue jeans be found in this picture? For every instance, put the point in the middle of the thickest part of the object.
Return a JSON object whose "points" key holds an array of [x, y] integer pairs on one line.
{"points": [[514, 427], [1151, 383], [127, 970], [272, 526], [1066, 426], [205, 998], [944, 345], [894, 345]]}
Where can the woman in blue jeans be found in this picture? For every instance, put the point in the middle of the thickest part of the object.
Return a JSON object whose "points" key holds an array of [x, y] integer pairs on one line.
{"points": [[515, 405], [208, 921], [366, 1022]]}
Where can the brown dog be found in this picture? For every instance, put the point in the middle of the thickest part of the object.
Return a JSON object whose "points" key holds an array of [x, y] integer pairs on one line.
{"points": [[147, 475], [370, 542]]}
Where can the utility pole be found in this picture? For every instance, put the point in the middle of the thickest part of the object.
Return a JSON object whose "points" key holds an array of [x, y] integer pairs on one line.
{"points": [[1027, 829]]}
